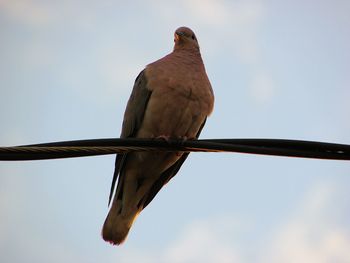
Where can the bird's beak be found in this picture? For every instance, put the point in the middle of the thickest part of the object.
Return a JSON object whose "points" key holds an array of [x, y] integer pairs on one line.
{"points": [[176, 37]]}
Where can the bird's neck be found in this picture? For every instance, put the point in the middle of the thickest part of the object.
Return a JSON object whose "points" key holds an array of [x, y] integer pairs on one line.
{"points": [[187, 52], [190, 48]]}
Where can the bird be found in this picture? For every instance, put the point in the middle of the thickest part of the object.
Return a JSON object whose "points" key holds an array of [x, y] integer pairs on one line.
{"points": [[171, 98]]}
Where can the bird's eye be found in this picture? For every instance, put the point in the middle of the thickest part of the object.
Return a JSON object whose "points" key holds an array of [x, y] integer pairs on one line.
{"points": [[193, 37]]}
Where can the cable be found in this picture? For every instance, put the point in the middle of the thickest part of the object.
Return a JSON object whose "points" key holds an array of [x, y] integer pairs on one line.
{"points": [[81, 148]]}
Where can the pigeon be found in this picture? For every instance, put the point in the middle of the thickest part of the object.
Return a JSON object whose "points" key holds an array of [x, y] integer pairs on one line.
{"points": [[171, 99]]}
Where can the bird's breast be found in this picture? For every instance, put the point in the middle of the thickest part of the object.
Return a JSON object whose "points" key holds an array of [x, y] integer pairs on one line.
{"points": [[174, 110]]}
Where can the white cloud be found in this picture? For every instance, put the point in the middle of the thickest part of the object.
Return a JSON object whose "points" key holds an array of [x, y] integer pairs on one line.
{"points": [[208, 12], [16, 236], [232, 29], [201, 241], [42, 14], [119, 66], [27, 12], [311, 235], [224, 26], [262, 87]]}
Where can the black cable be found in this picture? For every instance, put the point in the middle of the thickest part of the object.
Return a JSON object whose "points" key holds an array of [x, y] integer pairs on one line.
{"points": [[80, 148]]}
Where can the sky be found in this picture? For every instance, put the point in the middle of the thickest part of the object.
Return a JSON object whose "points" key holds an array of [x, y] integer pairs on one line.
{"points": [[279, 69]]}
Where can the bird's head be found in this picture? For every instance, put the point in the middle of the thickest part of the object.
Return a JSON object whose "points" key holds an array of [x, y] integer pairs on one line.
{"points": [[184, 38]]}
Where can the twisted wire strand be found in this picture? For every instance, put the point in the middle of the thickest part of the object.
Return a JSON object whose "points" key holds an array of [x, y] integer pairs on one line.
{"points": [[81, 148]]}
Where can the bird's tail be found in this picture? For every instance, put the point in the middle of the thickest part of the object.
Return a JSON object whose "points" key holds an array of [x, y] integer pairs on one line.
{"points": [[118, 223]]}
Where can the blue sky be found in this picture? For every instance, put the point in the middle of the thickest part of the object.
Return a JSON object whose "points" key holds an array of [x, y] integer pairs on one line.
{"points": [[279, 69]]}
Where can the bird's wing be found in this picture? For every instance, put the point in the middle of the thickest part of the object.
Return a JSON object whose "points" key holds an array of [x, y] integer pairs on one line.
{"points": [[133, 116], [167, 175]]}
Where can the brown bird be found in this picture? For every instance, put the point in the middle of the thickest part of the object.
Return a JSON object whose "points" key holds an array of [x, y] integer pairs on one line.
{"points": [[171, 98]]}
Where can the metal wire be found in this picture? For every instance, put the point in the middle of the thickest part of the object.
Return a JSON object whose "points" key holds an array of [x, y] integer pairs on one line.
{"points": [[80, 148]]}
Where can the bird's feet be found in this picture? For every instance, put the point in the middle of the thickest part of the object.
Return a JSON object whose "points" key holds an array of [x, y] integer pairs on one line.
{"points": [[178, 140], [169, 138], [163, 137]]}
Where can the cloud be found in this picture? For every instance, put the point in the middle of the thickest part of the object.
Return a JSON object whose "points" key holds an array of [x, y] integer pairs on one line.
{"points": [[26, 12], [313, 235], [231, 30], [310, 234], [224, 26], [18, 243], [262, 87], [44, 14], [201, 241], [208, 12]]}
